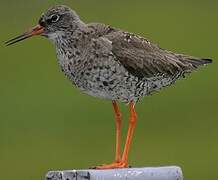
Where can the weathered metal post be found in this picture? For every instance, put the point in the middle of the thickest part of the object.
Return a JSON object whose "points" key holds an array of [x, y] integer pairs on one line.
{"points": [[148, 173]]}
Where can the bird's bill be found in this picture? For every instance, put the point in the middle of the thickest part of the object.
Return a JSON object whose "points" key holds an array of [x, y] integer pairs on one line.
{"points": [[37, 30]]}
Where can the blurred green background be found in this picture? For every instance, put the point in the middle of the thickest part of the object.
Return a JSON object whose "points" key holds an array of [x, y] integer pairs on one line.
{"points": [[46, 124]]}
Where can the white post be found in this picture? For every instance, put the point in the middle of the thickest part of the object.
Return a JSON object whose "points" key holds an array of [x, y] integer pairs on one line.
{"points": [[148, 173]]}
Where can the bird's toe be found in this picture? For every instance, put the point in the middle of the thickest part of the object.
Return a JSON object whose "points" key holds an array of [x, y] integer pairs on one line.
{"points": [[115, 165]]}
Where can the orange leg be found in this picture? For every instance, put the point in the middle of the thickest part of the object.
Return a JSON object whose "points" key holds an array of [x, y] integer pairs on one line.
{"points": [[118, 131], [132, 123]]}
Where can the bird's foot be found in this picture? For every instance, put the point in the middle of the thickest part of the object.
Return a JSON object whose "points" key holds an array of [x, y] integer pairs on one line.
{"points": [[114, 165]]}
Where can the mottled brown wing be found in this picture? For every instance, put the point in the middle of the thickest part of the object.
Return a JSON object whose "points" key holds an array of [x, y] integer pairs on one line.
{"points": [[143, 58]]}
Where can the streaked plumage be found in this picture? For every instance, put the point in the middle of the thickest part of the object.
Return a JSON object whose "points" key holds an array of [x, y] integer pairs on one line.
{"points": [[113, 64], [110, 63]]}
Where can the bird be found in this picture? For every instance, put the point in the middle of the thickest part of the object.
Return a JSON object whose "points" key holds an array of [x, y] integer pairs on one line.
{"points": [[112, 64]]}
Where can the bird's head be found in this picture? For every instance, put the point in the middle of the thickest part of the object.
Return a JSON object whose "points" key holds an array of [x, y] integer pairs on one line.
{"points": [[54, 22]]}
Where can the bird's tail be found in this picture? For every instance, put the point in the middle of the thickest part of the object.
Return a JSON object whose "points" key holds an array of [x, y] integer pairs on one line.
{"points": [[198, 62], [194, 61]]}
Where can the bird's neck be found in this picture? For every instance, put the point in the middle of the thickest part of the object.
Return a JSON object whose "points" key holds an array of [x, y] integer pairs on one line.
{"points": [[64, 37], [71, 46], [71, 37], [73, 41]]}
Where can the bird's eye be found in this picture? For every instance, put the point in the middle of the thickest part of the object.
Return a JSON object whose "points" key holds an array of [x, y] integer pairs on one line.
{"points": [[54, 18]]}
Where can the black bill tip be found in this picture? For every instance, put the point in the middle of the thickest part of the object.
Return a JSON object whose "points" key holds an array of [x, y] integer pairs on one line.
{"points": [[17, 39], [37, 30]]}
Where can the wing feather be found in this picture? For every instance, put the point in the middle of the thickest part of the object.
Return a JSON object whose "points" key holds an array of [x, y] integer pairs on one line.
{"points": [[141, 57]]}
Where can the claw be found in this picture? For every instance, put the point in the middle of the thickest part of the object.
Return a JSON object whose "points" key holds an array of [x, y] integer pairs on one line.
{"points": [[115, 165]]}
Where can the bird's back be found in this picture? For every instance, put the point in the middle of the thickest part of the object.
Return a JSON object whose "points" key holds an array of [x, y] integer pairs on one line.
{"points": [[144, 58], [124, 66]]}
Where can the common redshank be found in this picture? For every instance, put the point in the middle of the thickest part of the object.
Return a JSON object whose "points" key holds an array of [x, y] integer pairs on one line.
{"points": [[110, 63]]}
